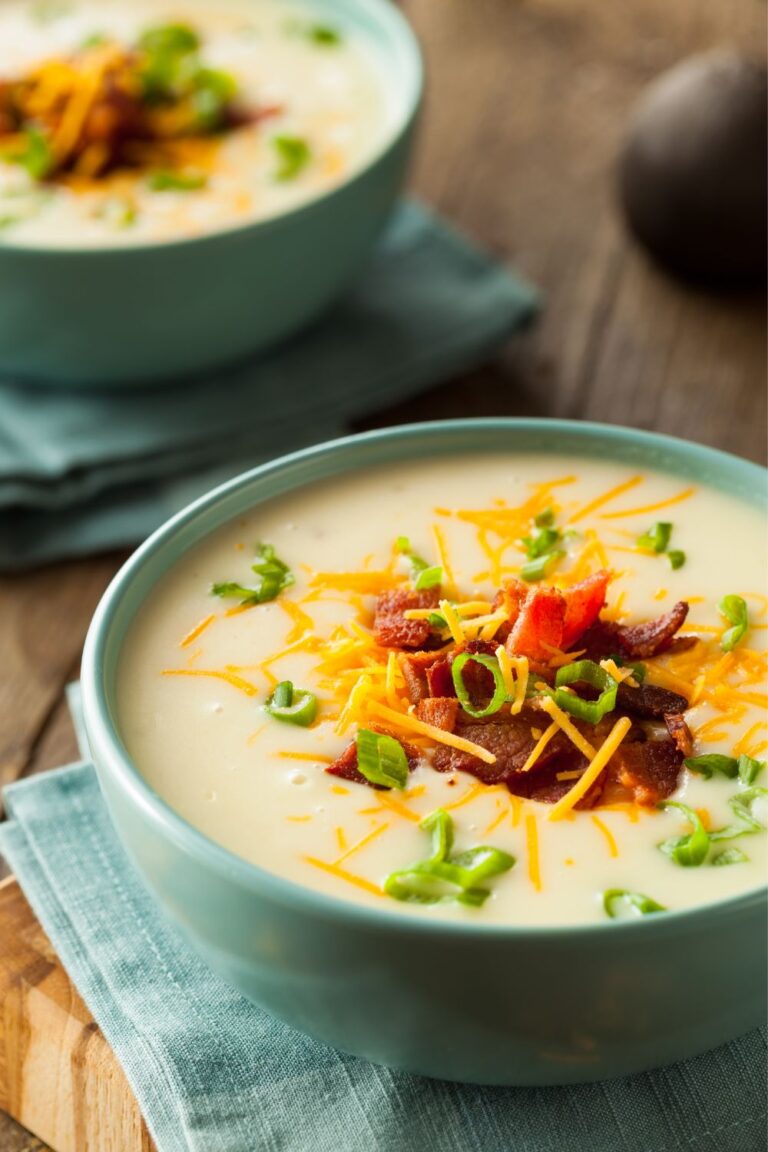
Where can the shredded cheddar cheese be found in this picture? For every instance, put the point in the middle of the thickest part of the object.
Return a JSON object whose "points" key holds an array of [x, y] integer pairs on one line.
{"points": [[609, 837], [569, 728], [342, 874], [228, 677], [543, 740], [410, 723], [198, 629], [592, 772], [532, 842]]}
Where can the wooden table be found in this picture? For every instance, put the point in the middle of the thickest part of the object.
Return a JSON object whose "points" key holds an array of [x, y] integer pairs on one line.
{"points": [[526, 104]]}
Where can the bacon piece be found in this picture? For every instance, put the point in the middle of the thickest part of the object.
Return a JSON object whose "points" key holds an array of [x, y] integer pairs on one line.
{"points": [[680, 733], [345, 767], [415, 668], [508, 737], [583, 604], [511, 597], [644, 772], [636, 641], [441, 711], [639, 641], [648, 702], [539, 627], [390, 627], [439, 678]]}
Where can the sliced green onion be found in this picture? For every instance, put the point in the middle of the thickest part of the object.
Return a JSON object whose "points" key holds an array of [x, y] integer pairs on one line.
{"points": [[440, 824], [676, 558], [499, 691], [429, 578], [541, 543], [424, 575], [436, 620], [117, 211], [537, 569], [324, 34], [36, 156], [293, 154], [169, 181], [742, 804], [381, 759], [169, 39], [729, 856], [688, 851], [212, 91], [292, 706], [712, 763], [442, 878], [642, 905], [586, 672], [274, 576], [545, 519], [735, 610], [657, 538], [749, 769]]}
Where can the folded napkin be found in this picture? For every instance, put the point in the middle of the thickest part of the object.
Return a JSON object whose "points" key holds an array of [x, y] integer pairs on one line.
{"points": [[89, 469], [214, 1073]]}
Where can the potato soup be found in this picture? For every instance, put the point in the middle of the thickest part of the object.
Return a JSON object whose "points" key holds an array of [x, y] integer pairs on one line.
{"points": [[519, 690], [136, 121]]}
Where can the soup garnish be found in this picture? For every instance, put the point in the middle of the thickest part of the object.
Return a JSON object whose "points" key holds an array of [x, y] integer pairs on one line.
{"points": [[423, 668]]}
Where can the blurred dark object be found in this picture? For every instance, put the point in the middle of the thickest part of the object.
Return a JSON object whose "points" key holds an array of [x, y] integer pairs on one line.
{"points": [[693, 169]]}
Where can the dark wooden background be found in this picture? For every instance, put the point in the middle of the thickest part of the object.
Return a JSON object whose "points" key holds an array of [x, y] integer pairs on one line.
{"points": [[526, 104]]}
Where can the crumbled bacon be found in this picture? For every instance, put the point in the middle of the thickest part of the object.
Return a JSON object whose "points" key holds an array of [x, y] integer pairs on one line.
{"points": [[511, 597], [440, 711], [639, 641], [510, 740], [345, 767], [583, 604], [645, 772], [680, 733], [440, 679], [648, 702], [390, 627], [539, 627]]}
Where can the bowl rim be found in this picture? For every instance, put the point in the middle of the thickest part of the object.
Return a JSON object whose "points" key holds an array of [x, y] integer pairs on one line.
{"points": [[407, 44], [114, 761]]}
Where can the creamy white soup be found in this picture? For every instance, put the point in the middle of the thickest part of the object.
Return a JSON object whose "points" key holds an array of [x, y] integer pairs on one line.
{"points": [[134, 121], [505, 689]]}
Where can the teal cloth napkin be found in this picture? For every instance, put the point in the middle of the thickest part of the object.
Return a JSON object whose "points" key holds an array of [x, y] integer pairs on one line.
{"points": [[85, 470], [213, 1073]]}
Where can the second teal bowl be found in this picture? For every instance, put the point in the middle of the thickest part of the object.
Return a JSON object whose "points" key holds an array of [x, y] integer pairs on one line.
{"points": [[486, 1004], [150, 313]]}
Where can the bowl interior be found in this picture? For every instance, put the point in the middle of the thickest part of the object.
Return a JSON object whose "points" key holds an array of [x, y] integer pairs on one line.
{"points": [[739, 478]]}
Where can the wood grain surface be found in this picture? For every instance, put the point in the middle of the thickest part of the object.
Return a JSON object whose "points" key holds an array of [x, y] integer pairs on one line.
{"points": [[526, 104]]}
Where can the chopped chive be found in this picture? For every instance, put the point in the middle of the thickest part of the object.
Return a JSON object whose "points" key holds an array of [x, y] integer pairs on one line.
{"points": [[429, 578], [443, 877], [293, 154], [735, 610], [657, 538], [676, 558], [292, 706], [168, 181], [545, 519], [381, 759], [688, 851], [641, 905], [499, 691], [541, 542]]}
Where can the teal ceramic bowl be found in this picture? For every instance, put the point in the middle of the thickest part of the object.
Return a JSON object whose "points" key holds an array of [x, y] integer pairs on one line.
{"points": [[548, 1005], [146, 313]]}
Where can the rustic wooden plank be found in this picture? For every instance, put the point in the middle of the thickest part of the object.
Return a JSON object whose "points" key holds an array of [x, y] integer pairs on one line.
{"points": [[44, 616], [58, 1075]]}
